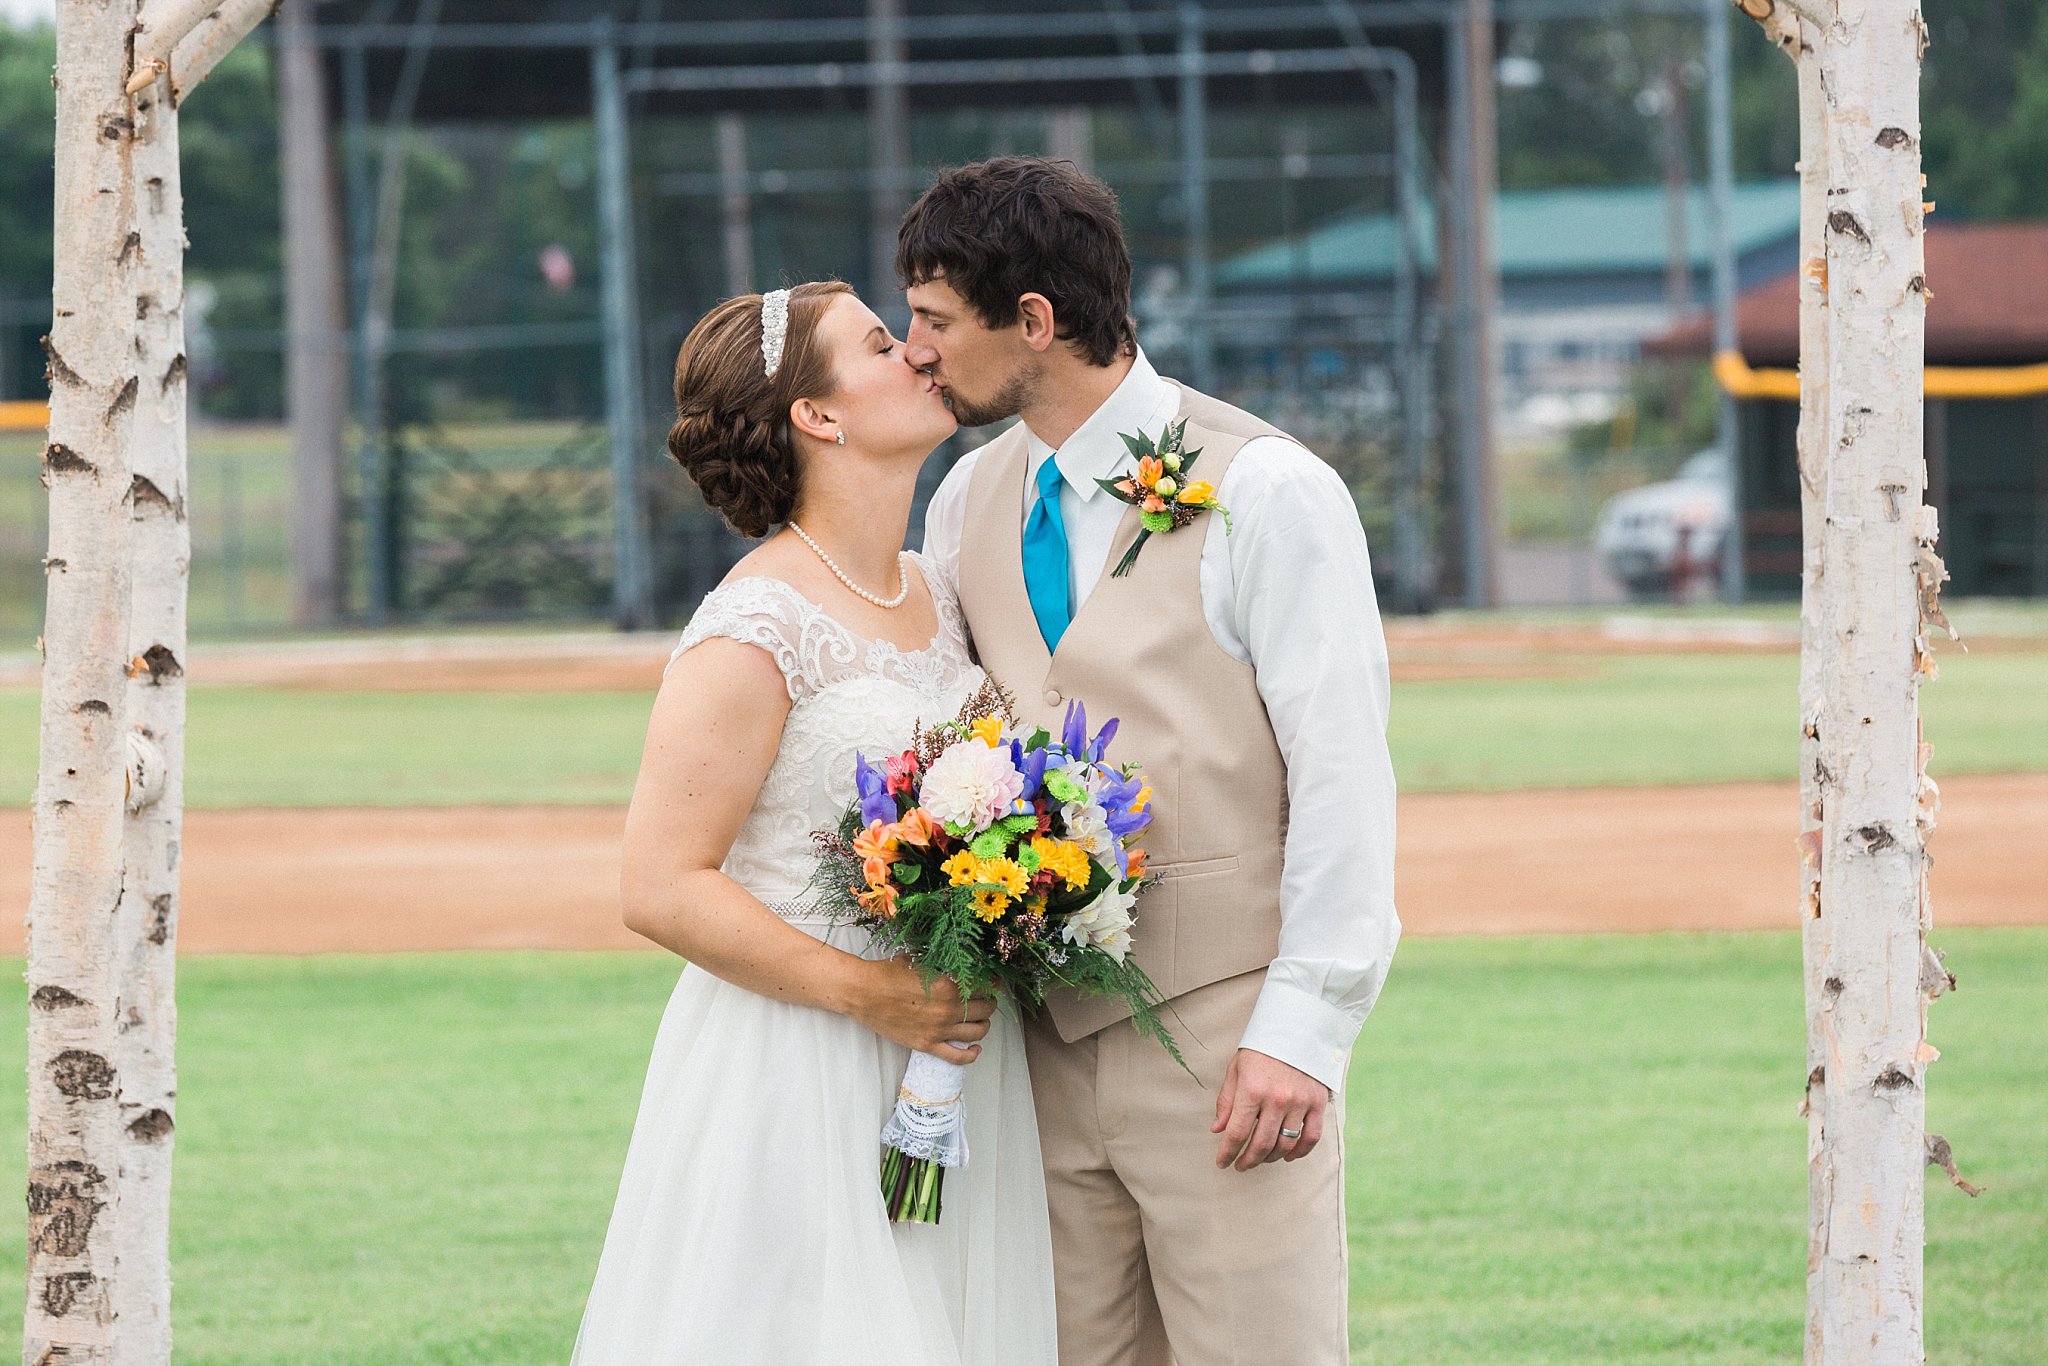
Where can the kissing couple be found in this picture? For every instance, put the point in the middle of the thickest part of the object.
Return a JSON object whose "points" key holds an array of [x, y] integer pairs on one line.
{"points": [[1119, 1209]]}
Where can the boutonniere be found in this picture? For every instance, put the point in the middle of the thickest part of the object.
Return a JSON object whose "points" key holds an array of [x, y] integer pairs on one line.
{"points": [[1160, 489]]}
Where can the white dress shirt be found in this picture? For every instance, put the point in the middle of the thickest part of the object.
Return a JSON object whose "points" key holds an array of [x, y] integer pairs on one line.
{"points": [[1288, 591]]}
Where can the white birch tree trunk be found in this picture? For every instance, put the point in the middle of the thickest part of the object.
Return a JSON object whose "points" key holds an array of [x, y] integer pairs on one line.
{"points": [[73, 1112], [1815, 666], [1869, 587], [109, 794], [146, 926]]}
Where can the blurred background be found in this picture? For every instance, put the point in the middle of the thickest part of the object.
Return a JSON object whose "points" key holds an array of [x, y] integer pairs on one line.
{"points": [[443, 251]]}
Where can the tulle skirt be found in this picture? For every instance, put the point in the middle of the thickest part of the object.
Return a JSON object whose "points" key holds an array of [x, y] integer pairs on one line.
{"points": [[749, 1226]]}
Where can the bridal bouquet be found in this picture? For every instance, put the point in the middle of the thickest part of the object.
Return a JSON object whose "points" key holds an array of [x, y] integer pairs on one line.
{"points": [[1006, 861]]}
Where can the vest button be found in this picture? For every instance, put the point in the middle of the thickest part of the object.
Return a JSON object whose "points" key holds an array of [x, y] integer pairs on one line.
{"points": [[1052, 697]]}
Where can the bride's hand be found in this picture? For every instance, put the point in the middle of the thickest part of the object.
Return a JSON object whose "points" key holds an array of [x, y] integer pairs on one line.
{"points": [[890, 998]]}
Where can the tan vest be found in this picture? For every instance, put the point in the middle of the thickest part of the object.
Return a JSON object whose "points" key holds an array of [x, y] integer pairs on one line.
{"points": [[1139, 649]]}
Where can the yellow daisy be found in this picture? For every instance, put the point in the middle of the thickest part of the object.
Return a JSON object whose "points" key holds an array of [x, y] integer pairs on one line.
{"points": [[1007, 874], [989, 904], [964, 869], [1064, 857]]}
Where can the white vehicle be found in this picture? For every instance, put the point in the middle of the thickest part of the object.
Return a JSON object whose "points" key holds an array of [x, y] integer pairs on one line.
{"points": [[1667, 538]]}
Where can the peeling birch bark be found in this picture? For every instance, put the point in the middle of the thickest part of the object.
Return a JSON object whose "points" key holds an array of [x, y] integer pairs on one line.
{"points": [[164, 24], [1870, 587], [146, 925], [73, 1103]]}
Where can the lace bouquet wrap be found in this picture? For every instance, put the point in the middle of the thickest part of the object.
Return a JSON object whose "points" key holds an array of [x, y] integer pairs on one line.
{"points": [[1006, 861]]}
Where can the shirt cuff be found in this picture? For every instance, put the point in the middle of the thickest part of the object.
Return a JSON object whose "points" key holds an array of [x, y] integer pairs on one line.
{"points": [[1302, 1030]]}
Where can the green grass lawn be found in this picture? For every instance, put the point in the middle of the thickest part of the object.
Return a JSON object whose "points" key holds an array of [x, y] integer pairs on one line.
{"points": [[1627, 720], [1561, 1150]]}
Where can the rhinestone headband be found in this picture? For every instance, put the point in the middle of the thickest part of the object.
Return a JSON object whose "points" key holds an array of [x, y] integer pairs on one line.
{"points": [[774, 328]]}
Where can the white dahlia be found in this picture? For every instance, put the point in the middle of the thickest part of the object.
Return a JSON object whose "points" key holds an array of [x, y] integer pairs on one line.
{"points": [[971, 785]]}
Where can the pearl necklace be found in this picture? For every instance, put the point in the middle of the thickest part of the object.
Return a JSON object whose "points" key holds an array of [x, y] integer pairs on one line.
{"points": [[902, 573]]}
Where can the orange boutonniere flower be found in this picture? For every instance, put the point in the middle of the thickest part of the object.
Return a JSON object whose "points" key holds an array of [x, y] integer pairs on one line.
{"points": [[1164, 501]]}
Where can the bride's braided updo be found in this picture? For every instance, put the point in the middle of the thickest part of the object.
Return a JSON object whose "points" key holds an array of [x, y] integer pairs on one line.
{"points": [[731, 433]]}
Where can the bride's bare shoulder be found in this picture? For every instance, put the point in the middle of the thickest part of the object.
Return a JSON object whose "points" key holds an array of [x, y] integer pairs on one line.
{"points": [[785, 560]]}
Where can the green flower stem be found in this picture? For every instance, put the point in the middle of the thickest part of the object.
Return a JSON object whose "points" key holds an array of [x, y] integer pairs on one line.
{"points": [[1123, 566], [911, 1187]]}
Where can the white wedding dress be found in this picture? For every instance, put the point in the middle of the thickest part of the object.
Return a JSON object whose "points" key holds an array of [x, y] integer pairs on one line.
{"points": [[749, 1226]]}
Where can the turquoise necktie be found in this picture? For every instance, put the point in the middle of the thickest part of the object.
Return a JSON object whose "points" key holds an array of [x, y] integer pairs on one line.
{"points": [[1045, 557]]}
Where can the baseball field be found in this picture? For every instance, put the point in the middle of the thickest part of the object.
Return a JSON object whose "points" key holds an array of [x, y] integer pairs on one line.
{"points": [[412, 1031]]}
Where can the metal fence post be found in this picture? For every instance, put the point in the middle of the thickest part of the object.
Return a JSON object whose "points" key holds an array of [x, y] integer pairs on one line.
{"points": [[1720, 214], [632, 604], [1194, 153], [371, 453], [1415, 586]]}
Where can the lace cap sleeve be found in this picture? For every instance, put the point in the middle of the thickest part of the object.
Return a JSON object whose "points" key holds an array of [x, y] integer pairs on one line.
{"points": [[761, 612]]}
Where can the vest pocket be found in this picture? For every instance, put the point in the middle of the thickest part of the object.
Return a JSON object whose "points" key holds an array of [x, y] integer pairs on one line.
{"points": [[1225, 921], [1195, 867]]}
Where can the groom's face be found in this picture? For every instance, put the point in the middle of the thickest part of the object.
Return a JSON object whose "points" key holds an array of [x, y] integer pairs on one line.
{"points": [[986, 373]]}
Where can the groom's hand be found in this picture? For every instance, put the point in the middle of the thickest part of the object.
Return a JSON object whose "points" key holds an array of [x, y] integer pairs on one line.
{"points": [[1260, 1097]]}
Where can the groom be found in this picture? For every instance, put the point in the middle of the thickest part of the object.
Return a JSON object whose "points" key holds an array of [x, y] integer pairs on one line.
{"points": [[1201, 1224]]}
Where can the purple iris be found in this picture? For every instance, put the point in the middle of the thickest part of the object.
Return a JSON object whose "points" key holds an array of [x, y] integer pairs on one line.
{"points": [[1116, 797], [1074, 730], [1031, 765], [1100, 744], [876, 804], [1074, 734]]}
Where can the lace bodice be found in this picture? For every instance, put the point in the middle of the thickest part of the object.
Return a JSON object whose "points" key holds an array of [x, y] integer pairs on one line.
{"points": [[847, 695]]}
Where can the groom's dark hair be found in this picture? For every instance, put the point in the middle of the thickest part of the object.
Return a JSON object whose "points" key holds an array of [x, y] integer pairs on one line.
{"points": [[1011, 226]]}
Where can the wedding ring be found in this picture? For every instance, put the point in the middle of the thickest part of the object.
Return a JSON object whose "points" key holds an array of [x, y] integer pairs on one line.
{"points": [[1290, 1133]]}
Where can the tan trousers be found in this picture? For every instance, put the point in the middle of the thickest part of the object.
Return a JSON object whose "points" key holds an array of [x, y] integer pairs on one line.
{"points": [[1159, 1257]]}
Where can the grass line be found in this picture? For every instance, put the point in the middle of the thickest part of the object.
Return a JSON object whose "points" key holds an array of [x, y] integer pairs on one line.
{"points": [[1630, 720]]}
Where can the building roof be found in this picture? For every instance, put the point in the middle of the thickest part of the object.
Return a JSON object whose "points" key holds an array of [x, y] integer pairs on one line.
{"points": [[1987, 305], [508, 60], [1609, 230]]}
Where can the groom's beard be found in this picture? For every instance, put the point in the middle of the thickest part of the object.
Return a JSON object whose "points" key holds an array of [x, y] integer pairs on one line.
{"points": [[1007, 402]]}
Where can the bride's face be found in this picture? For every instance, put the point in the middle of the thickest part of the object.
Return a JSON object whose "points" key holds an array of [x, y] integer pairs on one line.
{"points": [[885, 405]]}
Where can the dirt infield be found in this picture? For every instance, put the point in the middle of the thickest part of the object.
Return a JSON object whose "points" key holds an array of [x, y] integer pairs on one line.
{"points": [[1419, 649], [1672, 858]]}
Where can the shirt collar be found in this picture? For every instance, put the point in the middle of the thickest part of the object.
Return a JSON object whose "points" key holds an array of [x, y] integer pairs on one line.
{"points": [[1142, 402]]}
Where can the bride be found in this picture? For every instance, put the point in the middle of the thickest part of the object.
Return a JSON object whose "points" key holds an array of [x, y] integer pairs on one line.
{"points": [[749, 1226]]}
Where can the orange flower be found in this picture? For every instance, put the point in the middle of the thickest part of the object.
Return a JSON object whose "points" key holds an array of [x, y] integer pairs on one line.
{"points": [[1136, 859], [1151, 470], [1154, 503], [880, 899], [876, 871], [916, 828], [877, 843], [1127, 487]]}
